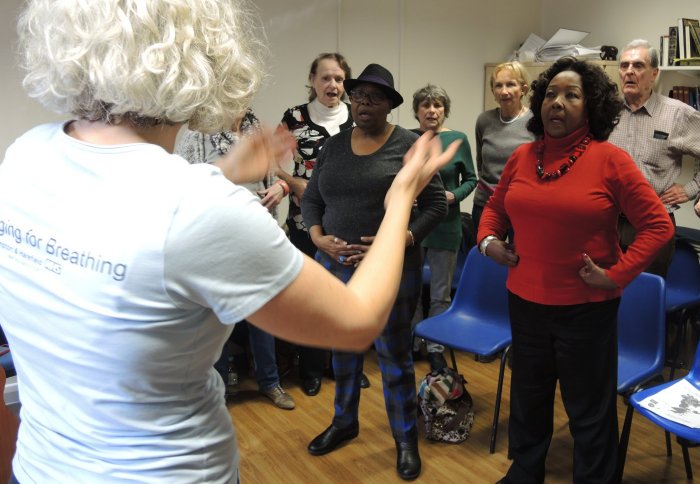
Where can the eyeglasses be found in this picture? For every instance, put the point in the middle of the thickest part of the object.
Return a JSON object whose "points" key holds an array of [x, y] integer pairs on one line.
{"points": [[358, 96], [636, 66]]}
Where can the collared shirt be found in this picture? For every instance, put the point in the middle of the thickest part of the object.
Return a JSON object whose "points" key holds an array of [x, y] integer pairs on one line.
{"points": [[657, 135]]}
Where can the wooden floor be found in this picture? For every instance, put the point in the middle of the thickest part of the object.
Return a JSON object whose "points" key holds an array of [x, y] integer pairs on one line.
{"points": [[273, 441]]}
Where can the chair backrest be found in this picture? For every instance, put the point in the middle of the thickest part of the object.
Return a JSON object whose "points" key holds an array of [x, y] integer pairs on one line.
{"points": [[641, 320], [483, 285], [684, 271], [694, 375]]}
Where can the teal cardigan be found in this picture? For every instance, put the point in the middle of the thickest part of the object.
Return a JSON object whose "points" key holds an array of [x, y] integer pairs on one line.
{"points": [[459, 177]]}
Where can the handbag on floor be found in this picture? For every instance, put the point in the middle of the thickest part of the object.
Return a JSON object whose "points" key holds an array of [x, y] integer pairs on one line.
{"points": [[446, 406]]}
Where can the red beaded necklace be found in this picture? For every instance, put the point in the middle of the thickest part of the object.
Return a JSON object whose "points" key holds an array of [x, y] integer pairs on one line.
{"points": [[565, 167]]}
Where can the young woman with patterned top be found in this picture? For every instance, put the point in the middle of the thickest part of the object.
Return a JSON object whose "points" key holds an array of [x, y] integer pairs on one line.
{"points": [[198, 147]]}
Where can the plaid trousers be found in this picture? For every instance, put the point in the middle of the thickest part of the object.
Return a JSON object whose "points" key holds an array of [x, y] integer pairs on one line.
{"points": [[393, 348]]}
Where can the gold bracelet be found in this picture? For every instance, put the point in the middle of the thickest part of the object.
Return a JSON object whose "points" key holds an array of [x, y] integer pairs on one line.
{"points": [[413, 240]]}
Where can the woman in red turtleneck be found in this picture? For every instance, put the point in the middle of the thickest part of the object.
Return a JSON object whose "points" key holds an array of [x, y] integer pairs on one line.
{"points": [[562, 195]]}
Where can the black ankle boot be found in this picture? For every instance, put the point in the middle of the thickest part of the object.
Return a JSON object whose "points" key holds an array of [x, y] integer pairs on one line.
{"points": [[407, 460], [331, 438]]}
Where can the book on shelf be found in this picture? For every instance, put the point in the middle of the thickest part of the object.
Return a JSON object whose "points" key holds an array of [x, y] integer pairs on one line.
{"points": [[672, 44], [663, 50], [687, 94], [686, 47], [681, 39], [695, 34]]}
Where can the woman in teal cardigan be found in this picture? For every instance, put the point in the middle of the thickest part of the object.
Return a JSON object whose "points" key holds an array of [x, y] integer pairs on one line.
{"points": [[431, 106]]}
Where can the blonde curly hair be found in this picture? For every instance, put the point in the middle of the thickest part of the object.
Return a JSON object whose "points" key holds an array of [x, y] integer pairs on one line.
{"points": [[149, 61]]}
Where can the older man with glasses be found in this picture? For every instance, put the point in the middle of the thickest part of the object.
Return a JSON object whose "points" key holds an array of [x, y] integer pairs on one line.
{"points": [[656, 131]]}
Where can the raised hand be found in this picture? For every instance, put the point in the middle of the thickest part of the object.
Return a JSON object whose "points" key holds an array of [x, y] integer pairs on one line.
{"points": [[256, 154], [420, 164]]}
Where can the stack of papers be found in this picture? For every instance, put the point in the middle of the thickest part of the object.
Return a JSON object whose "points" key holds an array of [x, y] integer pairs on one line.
{"points": [[679, 403], [564, 43]]}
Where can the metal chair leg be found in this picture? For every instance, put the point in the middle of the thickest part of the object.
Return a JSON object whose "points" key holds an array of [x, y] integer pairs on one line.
{"points": [[497, 407], [686, 458], [624, 441], [680, 320], [454, 360]]}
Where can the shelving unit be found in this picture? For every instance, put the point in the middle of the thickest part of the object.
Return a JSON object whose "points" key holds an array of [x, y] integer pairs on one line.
{"points": [[670, 76], [690, 71]]}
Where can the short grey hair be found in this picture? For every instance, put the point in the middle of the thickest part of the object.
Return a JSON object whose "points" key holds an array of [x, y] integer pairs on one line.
{"points": [[644, 44], [431, 91]]}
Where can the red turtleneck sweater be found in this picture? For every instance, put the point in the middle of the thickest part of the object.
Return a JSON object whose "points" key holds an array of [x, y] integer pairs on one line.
{"points": [[556, 221]]}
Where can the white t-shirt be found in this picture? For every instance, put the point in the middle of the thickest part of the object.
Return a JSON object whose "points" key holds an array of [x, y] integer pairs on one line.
{"points": [[116, 265]]}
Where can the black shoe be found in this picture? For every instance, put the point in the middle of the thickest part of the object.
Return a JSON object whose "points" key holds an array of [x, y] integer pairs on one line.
{"points": [[331, 438], [407, 460], [486, 359], [364, 381], [437, 361], [311, 386]]}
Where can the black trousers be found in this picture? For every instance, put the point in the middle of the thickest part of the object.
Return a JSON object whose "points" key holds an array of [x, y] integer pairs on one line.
{"points": [[312, 361], [577, 346]]}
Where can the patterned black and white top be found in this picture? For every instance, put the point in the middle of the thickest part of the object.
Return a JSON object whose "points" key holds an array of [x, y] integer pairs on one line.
{"points": [[310, 139]]}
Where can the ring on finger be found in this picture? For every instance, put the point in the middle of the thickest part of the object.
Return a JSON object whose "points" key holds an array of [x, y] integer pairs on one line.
{"points": [[341, 259]]}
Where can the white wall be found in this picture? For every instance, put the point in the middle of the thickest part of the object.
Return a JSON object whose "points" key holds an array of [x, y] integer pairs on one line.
{"points": [[616, 22], [18, 112], [446, 42]]}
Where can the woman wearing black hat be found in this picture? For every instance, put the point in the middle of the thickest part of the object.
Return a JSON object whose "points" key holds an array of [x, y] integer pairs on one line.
{"points": [[343, 205]]}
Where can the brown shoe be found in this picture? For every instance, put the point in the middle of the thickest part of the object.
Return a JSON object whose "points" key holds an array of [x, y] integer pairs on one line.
{"points": [[279, 397]]}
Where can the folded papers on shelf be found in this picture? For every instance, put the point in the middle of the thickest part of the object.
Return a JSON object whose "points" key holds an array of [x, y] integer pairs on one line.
{"points": [[563, 43]]}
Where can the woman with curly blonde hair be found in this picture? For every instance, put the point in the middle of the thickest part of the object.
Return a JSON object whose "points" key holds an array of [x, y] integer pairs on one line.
{"points": [[124, 267]]}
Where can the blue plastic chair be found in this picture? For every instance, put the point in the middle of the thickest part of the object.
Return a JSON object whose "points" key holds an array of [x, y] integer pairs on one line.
{"points": [[641, 343], [477, 321], [682, 292], [6, 360], [686, 436]]}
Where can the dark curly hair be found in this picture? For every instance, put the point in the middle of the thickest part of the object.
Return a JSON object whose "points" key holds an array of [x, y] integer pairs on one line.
{"points": [[603, 102]]}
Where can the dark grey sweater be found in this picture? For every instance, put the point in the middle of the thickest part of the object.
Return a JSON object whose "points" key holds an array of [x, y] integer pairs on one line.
{"points": [[346, 192]]}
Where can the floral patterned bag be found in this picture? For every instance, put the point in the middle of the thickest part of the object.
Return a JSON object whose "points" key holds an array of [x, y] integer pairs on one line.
{"points": [[446, 406]]}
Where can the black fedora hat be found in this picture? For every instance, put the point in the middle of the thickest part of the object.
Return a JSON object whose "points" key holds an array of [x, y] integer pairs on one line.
{"points": [[380, 76]]}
